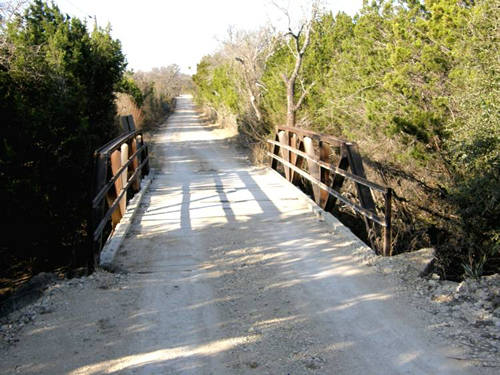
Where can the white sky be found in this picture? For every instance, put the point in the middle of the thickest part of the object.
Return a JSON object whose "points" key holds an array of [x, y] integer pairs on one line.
{"points": [[157, 33]]}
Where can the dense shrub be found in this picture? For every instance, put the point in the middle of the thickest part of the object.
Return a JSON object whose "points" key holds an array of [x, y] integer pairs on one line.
{"points": [[216, 84], [129, 86], [158, 88], [57, 82]]}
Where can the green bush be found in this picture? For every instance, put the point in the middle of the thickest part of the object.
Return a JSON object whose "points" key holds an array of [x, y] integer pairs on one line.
{"points": [[474, 142], [129, 86], [56, 87], [217, 85]]}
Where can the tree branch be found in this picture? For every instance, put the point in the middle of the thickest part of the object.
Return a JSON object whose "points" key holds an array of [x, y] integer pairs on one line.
{"points": [[284, 11], [308, 38], [303, 96], [291, 50]]}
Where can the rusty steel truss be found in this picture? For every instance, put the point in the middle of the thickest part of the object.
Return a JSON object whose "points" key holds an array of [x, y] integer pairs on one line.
{"points": [[293, 146], [119, 167]]}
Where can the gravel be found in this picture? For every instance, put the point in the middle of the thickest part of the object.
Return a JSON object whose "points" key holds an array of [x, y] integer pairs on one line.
{"points": [[52, 295], [466, 313]]}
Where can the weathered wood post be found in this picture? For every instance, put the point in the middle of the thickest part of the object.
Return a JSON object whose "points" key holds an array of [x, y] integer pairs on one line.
{"points": [[364, 192], [144, 155], [136, 185], [275, 151], [299, 161], [124, 176], [324, 155], [338, 179], [128, 124], [356, 164], [293, 155]]}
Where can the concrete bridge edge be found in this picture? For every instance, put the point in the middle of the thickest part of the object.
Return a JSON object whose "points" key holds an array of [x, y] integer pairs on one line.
{"points": [[113, 243]]}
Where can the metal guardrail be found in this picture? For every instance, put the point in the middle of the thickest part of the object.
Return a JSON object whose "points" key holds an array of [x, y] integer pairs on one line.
{"points": [[119, 167], [293, 146]]}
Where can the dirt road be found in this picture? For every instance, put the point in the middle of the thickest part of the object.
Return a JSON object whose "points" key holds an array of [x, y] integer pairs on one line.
{"points": [[229, 273]]}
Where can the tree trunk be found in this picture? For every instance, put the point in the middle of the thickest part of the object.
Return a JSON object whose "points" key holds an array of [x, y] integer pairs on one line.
{"points": [[254, 105], [290, 111], [292, 107]]}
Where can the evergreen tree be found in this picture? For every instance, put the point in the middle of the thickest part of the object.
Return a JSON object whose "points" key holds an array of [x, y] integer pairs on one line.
{"points": [[56, 88]]}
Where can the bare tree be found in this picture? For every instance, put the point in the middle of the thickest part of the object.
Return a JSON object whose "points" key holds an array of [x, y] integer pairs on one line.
{"points": [[166, 81], [297, 42], [10, 9], [251, 50]]}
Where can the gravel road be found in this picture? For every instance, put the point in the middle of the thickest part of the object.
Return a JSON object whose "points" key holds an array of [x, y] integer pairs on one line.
{"points": [[230, 273]]}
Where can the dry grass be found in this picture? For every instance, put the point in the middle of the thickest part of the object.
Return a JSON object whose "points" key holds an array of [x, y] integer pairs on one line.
{"points": [[125, 105]]}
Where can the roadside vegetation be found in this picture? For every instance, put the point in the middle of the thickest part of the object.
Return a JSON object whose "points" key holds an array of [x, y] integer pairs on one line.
{"points": [[414, 83], [148, 96], [61, 82]]}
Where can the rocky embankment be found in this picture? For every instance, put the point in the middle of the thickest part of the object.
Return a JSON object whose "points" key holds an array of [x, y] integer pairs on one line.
{"points": [[467, 313]]}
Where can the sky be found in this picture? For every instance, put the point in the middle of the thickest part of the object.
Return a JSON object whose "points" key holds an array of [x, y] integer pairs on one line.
{"points": [[158, 33]]}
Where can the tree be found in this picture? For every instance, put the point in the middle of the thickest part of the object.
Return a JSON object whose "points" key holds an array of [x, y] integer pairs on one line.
{"points": [[297, 42], [216, 80], [251, 50], [159, 86], [473, 147], [57, 100]]}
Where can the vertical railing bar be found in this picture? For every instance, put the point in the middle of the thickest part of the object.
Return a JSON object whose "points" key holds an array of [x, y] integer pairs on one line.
{"points": [[100, 175], [276, 150], [388, 223]]}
